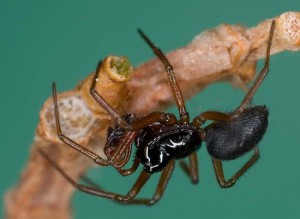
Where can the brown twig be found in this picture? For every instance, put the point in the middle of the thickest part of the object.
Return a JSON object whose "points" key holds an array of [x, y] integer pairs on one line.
{"points": [[228, 52]]}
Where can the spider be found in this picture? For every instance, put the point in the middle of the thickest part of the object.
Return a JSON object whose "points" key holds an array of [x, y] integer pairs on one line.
{"points": [[161, 138]]}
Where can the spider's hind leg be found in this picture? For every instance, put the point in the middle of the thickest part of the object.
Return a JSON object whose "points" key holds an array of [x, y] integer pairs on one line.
{"points": [[230, 182]]}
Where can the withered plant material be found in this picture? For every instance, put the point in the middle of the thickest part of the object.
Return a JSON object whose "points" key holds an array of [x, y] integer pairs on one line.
{"points": [[227, 52]]}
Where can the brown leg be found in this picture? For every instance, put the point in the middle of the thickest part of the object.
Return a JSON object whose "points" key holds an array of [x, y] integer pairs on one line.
{"points": [[89, 182], [219, 116], [132, 169], [123, 172], [122, 153], [102, 102], [172, 79], [230, 182], [263, 73], [118, 155], [192, 169], [138, 123], [97, 159], [162, 184], [211, 115], [142, 179], [142, 122], [176, 89], [123, 149]]}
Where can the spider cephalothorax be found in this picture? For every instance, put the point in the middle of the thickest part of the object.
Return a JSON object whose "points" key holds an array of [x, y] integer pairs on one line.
{"points": [[157, 144]]}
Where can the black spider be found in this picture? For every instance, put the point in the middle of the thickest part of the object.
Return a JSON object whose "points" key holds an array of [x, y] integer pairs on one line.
{"points": [[161, 138]]}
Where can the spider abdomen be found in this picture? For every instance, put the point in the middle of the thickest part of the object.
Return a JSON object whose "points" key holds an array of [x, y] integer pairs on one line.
{"points": [[229, 140], [158, 144]]}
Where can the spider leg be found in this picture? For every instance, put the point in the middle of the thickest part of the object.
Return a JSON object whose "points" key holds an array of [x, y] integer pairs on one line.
{"points": [[126, 172], [97, 159], [119, 155], [140, 182], [132, 169], [192, 169], [247, 100], [136, 124], [90, 182], [161, 186], [230, 182], [102, 102], [213, 116], [263, 73], [142, 122], [218, 116], [177, 94], [124, 148]]}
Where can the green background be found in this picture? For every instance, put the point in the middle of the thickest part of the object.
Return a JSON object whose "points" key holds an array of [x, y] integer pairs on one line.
{"points": [[45, 41]]}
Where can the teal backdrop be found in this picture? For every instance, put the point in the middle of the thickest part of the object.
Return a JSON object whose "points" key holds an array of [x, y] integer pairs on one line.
{"points": [[45, 41]]}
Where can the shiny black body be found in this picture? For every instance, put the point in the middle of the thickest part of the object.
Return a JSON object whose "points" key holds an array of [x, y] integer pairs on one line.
{"points": [[157, 143]]}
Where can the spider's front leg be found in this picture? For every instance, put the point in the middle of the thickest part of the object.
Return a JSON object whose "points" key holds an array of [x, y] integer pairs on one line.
{"points": [[130, 124], [118, 159], [68, 141], [118, 149]]}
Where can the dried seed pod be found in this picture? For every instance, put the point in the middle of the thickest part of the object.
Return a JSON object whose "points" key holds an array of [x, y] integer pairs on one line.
{"points": [[289, 29]]}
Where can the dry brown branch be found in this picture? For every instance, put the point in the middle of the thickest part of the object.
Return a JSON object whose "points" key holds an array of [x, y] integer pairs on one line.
{"points": [[227, 52]]}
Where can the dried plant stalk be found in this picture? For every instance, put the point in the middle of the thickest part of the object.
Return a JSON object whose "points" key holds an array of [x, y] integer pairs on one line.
{"points": [[227, 52]]}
